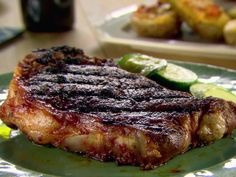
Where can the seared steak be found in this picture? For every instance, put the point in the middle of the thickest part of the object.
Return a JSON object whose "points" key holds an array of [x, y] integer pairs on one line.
{"points": [[62, 97]]}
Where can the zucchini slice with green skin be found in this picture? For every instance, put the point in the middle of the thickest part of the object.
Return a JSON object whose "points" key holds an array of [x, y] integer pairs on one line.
{"points": [[202, 90], [139, 63], [175, 77]]}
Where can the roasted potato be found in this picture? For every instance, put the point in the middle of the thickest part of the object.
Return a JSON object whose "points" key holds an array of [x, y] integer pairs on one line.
{"points": [[156, 21], [204, 16], [230, 32]]}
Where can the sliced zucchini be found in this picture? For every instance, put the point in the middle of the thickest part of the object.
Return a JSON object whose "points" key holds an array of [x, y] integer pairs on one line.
{"points": [[175, 77], [139, 63], [202, 90]]}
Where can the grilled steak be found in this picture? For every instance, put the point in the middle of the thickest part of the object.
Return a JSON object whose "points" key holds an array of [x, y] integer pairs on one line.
{"points": [[62, 97]]}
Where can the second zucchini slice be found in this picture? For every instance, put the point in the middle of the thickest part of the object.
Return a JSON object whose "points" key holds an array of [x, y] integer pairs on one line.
{"points": [[175, 77]]}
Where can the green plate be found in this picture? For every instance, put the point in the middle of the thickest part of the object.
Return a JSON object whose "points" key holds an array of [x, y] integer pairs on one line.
{"points": [[20, 157]]}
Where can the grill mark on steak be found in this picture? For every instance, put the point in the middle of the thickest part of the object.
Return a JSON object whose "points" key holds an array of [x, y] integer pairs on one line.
{"points": [[162, 123], [99, 104], [92, 79], [96, 70], [42, 88]]}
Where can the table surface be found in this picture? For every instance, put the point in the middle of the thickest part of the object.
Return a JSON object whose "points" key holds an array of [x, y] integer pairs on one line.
{"points": [[83, 35]]}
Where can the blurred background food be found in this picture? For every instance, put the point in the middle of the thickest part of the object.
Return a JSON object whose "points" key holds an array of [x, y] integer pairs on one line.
{"points": [[232, 12], [205, 18], [230, 32], [158, 20]]}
